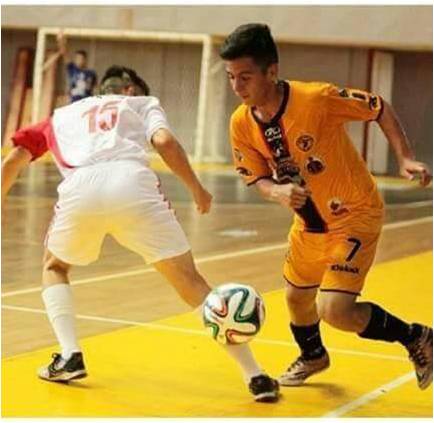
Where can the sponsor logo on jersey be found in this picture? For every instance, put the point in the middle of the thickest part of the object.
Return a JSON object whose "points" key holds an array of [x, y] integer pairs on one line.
{"points": [[374, 104], [304, 142], [274, 137], [359, 95], [238, 155], [287, 170], [314, 165], [344, 268], [336, 207], [243, 171], [343, 93]]}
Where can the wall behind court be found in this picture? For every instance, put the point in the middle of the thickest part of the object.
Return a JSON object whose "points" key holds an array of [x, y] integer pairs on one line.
{"points": [[413, 102], [12, 41], [405, 27], [328, 43]]}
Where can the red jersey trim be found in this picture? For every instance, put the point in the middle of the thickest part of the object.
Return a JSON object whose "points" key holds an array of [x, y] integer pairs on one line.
{"points": [[53, 146]]}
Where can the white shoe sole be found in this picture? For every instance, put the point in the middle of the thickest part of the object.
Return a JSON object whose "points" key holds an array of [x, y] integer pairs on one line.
{"points": [[64, 377], [267, 397], [298, 382]]}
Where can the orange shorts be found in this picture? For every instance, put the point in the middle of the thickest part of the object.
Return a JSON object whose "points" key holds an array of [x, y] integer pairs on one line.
{"points": [[334, 261]]}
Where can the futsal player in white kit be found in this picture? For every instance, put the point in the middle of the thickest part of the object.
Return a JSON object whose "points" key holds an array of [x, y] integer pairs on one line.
{"points": [[100, 145]]}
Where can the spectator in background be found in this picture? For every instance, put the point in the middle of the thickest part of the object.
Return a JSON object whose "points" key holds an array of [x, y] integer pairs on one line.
{"points": [[81, 79]]}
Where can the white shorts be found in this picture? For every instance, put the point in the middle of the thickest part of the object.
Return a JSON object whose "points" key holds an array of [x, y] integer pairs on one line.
{"points": [[121, 199]]}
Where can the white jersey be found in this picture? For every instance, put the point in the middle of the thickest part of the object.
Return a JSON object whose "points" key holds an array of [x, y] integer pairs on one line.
{"points": [[105, 128], [100, 145]]}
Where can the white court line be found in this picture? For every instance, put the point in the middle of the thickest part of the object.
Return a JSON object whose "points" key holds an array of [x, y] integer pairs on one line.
{"points": [[405, 223], [216, 257], [413, 205], [157, 326], [370, 396]]}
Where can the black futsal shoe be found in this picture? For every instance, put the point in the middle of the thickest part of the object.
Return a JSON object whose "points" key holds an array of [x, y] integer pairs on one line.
{"points": [[420, 353], [60, 370], [264, 388]]}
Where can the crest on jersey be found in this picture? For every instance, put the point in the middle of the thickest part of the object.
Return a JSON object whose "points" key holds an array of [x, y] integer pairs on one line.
{"points": [[243, 171], [238, 155], [314, 165], [304, 142], [337, 207]]}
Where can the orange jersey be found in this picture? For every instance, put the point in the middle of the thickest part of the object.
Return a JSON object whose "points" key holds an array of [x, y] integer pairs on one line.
{"points": [[310, 124]]}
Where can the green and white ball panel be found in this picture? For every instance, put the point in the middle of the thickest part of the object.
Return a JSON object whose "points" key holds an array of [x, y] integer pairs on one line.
{"points": [[233, 313]]}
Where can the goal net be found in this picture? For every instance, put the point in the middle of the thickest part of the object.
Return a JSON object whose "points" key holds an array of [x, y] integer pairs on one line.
{"points": [[185, 72], [182, 70]]}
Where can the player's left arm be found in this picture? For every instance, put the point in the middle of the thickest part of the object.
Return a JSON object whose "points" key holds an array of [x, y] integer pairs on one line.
{"points": [[18, 159], [176, 159], [392, 129]]}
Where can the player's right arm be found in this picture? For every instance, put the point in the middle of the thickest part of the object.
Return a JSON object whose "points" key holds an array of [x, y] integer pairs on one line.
{"points": [[253, 168], [61, 51], [18, 159], [174, 156], [29, 144], [287, 195]]}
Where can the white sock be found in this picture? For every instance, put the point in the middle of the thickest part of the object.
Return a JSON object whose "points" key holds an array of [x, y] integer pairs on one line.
{"points": [[242, 354], [59, 305]]}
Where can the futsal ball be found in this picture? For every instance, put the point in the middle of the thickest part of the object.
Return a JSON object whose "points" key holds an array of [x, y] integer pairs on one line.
{"points": [[233, 313]]}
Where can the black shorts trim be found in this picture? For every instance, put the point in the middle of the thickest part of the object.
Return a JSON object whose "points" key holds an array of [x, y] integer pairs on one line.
{"points": [[300, 287], [258, 179], [340, 290]]}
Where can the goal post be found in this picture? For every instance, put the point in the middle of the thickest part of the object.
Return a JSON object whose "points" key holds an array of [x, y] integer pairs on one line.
{"points": [[182, 69]]}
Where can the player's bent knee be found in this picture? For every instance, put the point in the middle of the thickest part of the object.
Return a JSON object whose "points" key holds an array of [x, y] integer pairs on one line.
{"points": [[296, 297], [53, 264], [335, 313]]}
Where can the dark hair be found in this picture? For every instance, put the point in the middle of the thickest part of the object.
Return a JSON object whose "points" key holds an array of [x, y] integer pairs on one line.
{"points": [[82, 52], [139, 82], [116, 77], [114, 71], [251, 40]]}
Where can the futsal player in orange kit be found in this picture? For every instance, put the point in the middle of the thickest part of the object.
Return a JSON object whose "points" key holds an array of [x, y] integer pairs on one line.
{"points": [[289, 141]]}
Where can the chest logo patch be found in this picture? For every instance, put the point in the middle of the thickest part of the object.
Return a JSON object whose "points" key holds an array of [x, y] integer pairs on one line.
{"points": [[336, 207], [243, 171], [314, 165], [304, 142]]}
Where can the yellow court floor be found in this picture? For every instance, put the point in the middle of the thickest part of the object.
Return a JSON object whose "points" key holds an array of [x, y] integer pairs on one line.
{"points": [[170, 368]]}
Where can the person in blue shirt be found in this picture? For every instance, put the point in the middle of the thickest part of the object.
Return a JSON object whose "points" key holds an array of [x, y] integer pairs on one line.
{"points": [[81, 79]]}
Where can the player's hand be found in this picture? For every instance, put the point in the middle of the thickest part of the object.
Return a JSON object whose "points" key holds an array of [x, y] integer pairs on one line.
{"points": [[291, 195], [60, 37], [411, 169], [203, 199], [61, 42]]}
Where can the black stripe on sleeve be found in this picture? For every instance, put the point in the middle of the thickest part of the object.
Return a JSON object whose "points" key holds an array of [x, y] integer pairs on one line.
{"points": [[380, 113], [258, 179]]}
